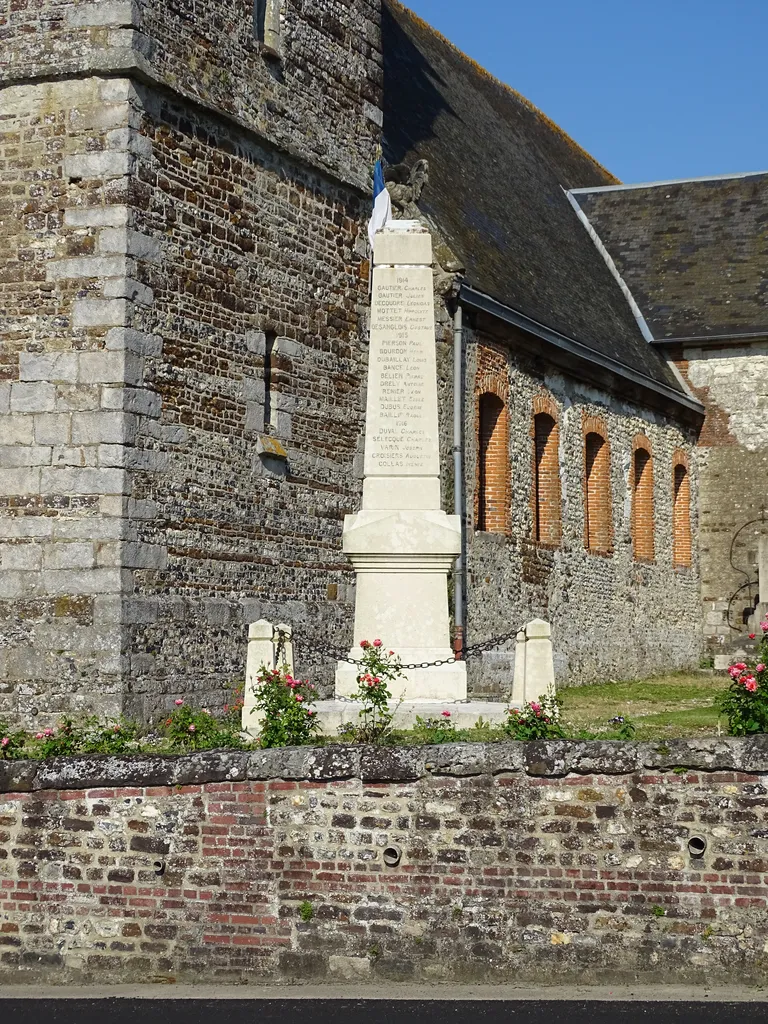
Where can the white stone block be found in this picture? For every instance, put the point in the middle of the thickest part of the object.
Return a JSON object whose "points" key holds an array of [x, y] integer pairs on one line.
{"points": [[17, 430], [112, 455], [92, 529], [72, 480], [141, 509], [145, 556], [134, 400], [67, 455], [52, 428], [49, 366], [127, 339], [128, 139], [20, 481], [86, 267], [127, 288], [16, 456], [102, 367], [102, 428], [82, 581], [133, 243], [100, 312], [97, 216], [32, 397], [19, 527], [24, 556], [5, 398], [117, 90], [105, 12], [68, 555], [406, 243], [103, 164]]}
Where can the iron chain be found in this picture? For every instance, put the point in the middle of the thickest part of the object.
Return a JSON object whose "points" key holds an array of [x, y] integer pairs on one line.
{"points": [[314, 645]]}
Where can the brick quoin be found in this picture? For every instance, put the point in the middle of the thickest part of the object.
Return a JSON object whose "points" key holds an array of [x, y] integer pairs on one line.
{"points": [[545, 492], [643, 546], [493, 477], [681, 510], [598, 519]]}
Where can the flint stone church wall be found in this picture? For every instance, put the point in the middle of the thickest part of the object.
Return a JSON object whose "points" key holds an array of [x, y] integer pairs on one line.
{"points": [[159, 232], [612, 616], [548, 862]]}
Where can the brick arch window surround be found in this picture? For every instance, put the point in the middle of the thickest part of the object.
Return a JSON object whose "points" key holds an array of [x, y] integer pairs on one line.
{"points": [[598, 519], [643, 545], [681, 511], [493, 460], [545, 496]]}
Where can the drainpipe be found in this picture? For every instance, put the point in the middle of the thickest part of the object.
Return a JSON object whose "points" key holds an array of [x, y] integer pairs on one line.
{"points": [[458, 480]]}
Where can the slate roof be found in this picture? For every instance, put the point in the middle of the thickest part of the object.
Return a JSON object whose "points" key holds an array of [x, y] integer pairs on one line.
{"points": [[694, 254], [497, 170]]}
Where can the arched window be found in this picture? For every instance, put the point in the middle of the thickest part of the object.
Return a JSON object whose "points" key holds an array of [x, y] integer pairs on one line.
{"points": [[546, 479], [598, 534], [681, 512], [643, 546], [493, 460]]}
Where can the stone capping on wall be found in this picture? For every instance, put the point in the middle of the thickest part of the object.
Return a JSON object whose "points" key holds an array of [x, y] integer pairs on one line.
{"points": [[542, 758]]}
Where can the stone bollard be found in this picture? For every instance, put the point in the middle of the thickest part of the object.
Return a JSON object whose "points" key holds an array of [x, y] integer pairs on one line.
{"points": [[262, 653], [534, 663]]}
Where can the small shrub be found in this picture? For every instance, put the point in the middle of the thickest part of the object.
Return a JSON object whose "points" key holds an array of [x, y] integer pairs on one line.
{"points": [[623, 727], [11, 742], [538, 720], [64, 740], [435, 730], [658, 911], [306, 912], [286, 703], [377, 669], [190, 729], [745, 702]]}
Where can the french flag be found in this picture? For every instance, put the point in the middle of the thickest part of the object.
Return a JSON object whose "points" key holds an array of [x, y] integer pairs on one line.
{"points": [[382, 204]]}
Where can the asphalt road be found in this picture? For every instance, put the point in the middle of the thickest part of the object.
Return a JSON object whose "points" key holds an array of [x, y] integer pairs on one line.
{"points": [[232, 1010]]}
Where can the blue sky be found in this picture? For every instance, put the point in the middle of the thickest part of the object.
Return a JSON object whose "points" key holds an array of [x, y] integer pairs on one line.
{"points": [[653, 90]]}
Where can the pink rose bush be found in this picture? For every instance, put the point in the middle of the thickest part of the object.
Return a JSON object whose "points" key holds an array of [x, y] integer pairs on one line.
{"points": [[536, 720], [377, 668], [745, 702], [285, 703]]}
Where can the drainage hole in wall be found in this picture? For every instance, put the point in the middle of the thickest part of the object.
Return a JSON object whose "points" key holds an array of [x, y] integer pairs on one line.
{"points": [[392, 855], [696, 846]]}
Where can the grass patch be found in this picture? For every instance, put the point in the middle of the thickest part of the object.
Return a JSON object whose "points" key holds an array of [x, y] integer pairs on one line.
{"points": [[673, 705]]}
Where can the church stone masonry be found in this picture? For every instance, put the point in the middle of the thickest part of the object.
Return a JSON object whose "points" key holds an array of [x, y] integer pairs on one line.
{"points": [[184, 350]]}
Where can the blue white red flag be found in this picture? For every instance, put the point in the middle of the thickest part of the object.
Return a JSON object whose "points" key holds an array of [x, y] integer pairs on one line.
{"points": [[382, 204]]}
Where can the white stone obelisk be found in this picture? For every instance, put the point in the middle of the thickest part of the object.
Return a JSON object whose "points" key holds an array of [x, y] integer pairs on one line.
{"points": [[401, 544]]}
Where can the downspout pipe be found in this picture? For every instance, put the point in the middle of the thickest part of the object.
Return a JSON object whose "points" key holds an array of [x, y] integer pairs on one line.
{"points": [[458, 477]]}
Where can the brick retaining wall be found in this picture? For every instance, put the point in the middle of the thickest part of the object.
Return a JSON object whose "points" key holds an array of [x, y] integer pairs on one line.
{"points": [[538, 862]]}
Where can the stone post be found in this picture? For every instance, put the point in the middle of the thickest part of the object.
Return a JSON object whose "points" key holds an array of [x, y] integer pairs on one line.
{"points": [[401, 544], [262, 653], [539, 663]]}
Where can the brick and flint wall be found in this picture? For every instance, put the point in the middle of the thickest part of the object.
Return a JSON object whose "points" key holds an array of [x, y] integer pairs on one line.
{"points": [[623, 606], [545, 862], [175, 208]]}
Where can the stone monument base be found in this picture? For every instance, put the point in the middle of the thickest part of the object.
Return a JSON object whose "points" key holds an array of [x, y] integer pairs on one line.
{"points": [[333, 714]]}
